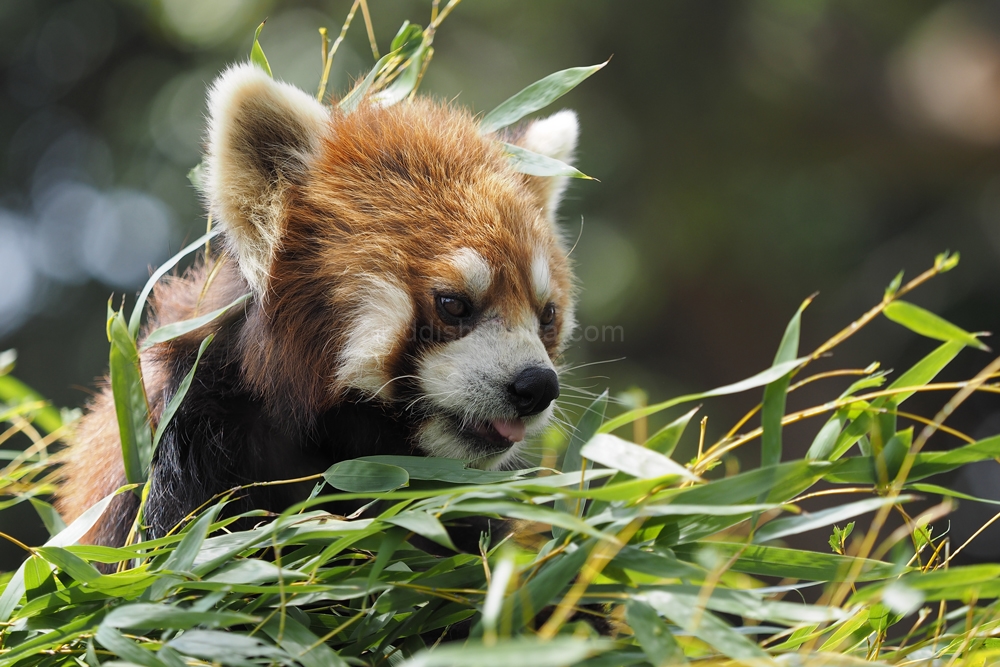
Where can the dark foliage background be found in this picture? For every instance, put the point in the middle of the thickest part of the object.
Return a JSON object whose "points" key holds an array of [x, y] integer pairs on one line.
{"points": [[750, 153]]}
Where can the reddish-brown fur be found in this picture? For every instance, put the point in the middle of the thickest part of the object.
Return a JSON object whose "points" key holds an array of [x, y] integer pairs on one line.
{"points": [[392, 192]]}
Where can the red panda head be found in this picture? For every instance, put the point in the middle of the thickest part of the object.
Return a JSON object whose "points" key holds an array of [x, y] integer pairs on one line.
{"points": [[395, 257]]}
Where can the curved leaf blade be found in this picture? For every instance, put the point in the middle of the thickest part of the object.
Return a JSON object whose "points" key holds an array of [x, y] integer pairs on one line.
{"points": [[536, 96]]}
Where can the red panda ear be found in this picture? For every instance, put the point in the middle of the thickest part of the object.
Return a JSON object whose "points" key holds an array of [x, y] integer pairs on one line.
{"points": [[554, 137], [261, 136]]}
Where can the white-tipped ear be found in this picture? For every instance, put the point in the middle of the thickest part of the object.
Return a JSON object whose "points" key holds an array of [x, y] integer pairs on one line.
{"points": [[261, 135], [554, 137]]}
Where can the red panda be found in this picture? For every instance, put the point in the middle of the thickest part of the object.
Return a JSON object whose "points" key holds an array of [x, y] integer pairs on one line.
{"points": [[410, 294]]}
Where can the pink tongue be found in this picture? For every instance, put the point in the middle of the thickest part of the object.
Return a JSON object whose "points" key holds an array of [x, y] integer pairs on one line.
{"points": [[512, 429]]}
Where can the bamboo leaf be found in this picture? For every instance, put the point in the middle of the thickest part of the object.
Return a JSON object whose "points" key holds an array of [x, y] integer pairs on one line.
{"points": [[536, 96], [176, 329], [632, 459], [534, 651], [131, 405], [665, 440], [168, 617], [535, 164], [413, 53], [125, 648], [257, 56], [227, 648], [586, 427], [706, 626], [353, 98], [361, 476], [182, 389], [301, 644], [773, 408], [425, 525], [653, 634], [15, 392], [794, 525], [140, 304], [926, 323], [50, 517], [758, 380]]}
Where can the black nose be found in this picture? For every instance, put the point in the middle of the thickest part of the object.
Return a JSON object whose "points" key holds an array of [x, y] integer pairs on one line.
{"points": [[533, 389]]}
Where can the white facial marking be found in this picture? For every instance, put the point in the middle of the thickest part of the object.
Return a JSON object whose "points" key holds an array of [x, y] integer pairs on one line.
{"points": [[384, 311], [541, 278], [476, 273]]}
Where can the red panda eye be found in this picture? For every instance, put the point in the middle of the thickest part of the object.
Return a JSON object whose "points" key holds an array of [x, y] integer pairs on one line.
{"points": [[454, 307], [548, 315]]}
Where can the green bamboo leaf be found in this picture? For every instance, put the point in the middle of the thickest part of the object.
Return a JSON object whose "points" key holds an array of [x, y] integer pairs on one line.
{"points": [[661, 563], [450, 471], [653, 634], [254, 571], [773, 408], [183, 557], [50, 517], [926, 323], [887, 462], [550, 582], [136, 318], [227, 648], [585, 429], [665, 440], [759, 380], [257, 56], [176, 329], [794, 525], [423, 524], [942, 491], [500, 578], [38, 578], [564, 520], [858, 470], [353, 98], [956, 583], [125, 648], [745, 603], [685, 611], [145, 616], [535, 164], [632, 459], [536, 96], [413, 53], [361, 476], [15, 588], [823, 445], [534, 651], [301, 644], [79, 569], [789, 563], [182, 389], [131, 405], [14, 392], [407, 39]]}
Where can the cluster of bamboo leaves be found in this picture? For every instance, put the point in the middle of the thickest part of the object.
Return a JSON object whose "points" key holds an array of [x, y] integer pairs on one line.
{"points": [[673, 562], [687, 564]]}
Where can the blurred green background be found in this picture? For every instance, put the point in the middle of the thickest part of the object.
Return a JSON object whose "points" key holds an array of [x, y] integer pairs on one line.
{"points": [[750, 153]]}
